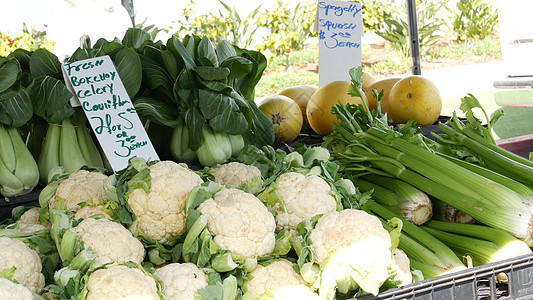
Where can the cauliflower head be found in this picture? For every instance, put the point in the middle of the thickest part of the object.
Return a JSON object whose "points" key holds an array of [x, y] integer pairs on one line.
{"points": [[110, 241], [279, 280], [303, 198], [89, 211], [121, 282], [14, 253], [351, 240], [29, 221], [80, 186], [338, 230], [181, 281], [14, 291], [238, 175], [240, 223], [160, 212]]}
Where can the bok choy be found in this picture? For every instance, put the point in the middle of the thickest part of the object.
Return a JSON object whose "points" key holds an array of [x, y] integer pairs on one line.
{"points": [[205, 92]]}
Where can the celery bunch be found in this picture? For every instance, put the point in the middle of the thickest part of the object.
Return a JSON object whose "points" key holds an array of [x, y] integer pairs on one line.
{"points": [[398, 196], [364, 142]]}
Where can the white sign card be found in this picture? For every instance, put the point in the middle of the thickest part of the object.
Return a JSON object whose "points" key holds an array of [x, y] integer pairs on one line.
{"points": [[340, 28], [98, 89]]}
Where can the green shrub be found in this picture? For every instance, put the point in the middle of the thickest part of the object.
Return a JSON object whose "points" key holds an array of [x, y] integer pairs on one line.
{"points": [[375, 12], [287, 30], [473, 19], [29, 40], [226, 24], [395, 29]]}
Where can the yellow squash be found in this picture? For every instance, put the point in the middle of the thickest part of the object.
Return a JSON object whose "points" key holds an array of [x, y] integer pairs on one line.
{"points": [[319, 114], [286, 116], [301, 95], [384, 85], [368, 79], [415, 98]]}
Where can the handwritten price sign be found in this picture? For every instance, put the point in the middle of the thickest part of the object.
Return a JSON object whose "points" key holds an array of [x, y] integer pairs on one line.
{"points": [[340, 27], [100, 92]]}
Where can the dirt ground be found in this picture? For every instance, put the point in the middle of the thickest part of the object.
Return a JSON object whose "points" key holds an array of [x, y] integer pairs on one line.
{"points": [[380, 52]]}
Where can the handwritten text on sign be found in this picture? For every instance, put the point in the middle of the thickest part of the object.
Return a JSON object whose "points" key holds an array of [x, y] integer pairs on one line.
{"points": [[101, 94], [340, 27]]}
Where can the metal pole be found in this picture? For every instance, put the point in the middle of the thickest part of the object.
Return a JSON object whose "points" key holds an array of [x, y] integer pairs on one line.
{"points": [[128, 5], [413, 37]]}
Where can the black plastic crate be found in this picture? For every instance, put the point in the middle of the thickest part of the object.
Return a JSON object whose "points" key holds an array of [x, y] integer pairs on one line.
{"points": [[474, 283], [7, 204]]}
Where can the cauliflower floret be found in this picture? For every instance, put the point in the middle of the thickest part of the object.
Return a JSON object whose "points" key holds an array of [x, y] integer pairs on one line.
{"points": [[338, 230], [402, 266], [121, 282], [14, 253], [303, 197], [351, 240], [182, 281], [80, 186], [239, 175], [13, 291], [240, 222], [89, 211], [280, 279], [29, 221], [110, 241], [160, 213]]}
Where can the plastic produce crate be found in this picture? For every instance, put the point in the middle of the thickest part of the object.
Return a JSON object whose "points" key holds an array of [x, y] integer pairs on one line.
{"points": [[521, 145], [7, 205], [475, 283]]}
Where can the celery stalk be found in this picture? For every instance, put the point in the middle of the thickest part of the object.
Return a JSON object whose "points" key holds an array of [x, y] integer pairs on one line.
{"points": [[429, 164], [448, 213], [516, 186], [486, 144], [445, 254], [479, 250], [414, 205], [513, 220], [426, 253], [429, 270], [380, 194], [505, 245], [417, 251], [496, 158]]}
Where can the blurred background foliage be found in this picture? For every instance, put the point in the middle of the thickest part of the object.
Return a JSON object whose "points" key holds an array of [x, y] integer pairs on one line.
{"points": [[285, 34]]}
